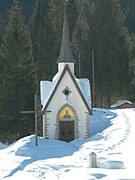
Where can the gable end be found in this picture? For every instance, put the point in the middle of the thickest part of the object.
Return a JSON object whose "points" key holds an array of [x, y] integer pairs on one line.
{"points": [[66, 68]]}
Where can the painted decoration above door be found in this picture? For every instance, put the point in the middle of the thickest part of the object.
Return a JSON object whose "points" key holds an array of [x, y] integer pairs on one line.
{"points": [[66, 114]]}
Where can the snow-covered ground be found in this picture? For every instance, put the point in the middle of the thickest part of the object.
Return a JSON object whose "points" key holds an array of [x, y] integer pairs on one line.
{"points": [[112, 139]]}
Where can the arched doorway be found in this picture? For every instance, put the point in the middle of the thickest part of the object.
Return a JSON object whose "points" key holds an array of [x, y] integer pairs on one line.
{"points": [[67, 123]]}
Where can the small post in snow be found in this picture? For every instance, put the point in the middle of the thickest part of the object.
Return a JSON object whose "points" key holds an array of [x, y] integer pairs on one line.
{"points": [[92, 160]]}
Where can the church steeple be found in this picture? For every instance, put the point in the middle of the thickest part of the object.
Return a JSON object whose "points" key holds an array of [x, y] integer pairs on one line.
{"points": [[65, 51]]}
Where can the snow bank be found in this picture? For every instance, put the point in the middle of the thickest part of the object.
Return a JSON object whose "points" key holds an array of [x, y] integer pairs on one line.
{"points": [[53, 159], [101, 120], [46, 88], [84, 85], [2, 146], [111, 164]]}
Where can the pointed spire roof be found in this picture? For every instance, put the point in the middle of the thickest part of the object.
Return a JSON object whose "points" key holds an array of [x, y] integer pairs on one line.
{"points": [[65, 51]]}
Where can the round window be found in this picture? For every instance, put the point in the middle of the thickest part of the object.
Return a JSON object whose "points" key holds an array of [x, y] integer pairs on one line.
{"points": [[66, 92]]}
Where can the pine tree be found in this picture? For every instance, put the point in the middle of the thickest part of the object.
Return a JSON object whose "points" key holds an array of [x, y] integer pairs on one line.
{"points": [[48, 17], [132, 74], [129, 7], [26, 4], [101, 28], [73, 11], [83, 40], [56, 13], [2, 24], [17, 70], [132, 69], [43, 41], [56, 16]]}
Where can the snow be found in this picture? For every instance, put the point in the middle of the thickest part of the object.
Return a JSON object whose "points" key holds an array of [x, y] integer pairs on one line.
{"points": [[112, 139], [84, 85], [47, 87], [2, 146], [119, 103]]}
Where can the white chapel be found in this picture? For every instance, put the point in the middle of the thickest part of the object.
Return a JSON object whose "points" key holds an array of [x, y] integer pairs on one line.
{"points": [[66, 100]]}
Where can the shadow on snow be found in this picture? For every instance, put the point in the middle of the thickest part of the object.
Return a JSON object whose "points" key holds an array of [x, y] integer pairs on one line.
{"points": [[46, 149], [101, 120]]}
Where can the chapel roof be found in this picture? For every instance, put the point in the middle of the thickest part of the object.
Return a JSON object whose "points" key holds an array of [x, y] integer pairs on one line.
{"points": [[65, 51], [82, 86]]}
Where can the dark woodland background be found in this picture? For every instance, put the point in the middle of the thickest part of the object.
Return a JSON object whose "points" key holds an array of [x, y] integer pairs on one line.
{"points": [[30, 38]]}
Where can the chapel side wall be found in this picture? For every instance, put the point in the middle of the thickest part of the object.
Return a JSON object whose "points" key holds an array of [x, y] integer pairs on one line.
{"points": [[83, 124]]}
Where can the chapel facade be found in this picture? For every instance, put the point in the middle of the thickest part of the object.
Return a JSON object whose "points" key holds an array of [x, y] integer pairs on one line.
{"points": [[66, 100]]}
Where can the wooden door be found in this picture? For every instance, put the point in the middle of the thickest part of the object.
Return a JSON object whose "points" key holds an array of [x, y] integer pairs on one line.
{"points": [[66, 130]]}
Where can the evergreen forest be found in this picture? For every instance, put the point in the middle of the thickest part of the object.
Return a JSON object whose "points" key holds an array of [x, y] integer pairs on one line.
{"points": [[102, 34]]}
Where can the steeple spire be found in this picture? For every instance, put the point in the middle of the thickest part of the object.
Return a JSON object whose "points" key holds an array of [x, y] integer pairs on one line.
{"points": [[65, 51]]}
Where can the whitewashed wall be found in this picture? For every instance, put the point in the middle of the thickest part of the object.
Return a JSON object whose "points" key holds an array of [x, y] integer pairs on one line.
{"points": [[59, 99]]}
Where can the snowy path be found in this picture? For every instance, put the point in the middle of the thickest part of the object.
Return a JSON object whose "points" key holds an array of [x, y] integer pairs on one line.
{"points": [[56, 160], [120, 138], [129, 146]]}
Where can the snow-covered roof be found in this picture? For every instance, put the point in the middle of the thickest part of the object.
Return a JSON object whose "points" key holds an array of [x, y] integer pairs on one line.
{"points": [[47, 87], [84, 85], [119, 103]]}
